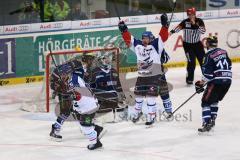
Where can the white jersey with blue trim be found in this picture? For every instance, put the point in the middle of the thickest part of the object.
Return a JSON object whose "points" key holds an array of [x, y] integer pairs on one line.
{"points": [[148, 58], [88, 104]]}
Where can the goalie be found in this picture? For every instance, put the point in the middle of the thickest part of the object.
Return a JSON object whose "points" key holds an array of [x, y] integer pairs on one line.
{"points": [[106, 85], [67, 81]]}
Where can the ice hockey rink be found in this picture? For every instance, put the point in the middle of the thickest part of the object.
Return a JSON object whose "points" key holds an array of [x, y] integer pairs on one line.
{"points": [[25, 135]]}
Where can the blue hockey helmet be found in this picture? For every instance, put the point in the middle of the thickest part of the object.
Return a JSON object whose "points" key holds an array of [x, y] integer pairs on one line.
{"points": [[149, 35]]}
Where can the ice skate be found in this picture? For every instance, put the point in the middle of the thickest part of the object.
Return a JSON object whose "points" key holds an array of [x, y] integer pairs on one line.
{"points": [[95, 146], [54, 134], [137, 117], [206, 127]]}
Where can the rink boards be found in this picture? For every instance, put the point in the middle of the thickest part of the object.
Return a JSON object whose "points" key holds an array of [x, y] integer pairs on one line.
{"points": [[22, 56]]}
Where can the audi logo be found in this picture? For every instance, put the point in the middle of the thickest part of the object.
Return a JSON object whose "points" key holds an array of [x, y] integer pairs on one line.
{"points": [[135, 19], [233, 38], [57, 25], [208, 14], [23, 28], [97, 23]]}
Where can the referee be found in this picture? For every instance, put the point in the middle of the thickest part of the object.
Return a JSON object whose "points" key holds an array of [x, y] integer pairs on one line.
{"points": [[192, 28]]}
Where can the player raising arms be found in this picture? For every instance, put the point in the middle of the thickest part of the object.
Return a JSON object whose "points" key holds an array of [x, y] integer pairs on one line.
{"points": [[150, 57], [218, 76], [68, 81]]}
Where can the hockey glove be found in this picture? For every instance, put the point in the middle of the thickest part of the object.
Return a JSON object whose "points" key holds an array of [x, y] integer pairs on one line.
{"points": [[122, 26], [164, 20], [199, 86]]}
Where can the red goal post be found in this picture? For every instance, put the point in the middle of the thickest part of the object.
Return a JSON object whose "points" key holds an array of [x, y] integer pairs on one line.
{"points": [[73, 53]]}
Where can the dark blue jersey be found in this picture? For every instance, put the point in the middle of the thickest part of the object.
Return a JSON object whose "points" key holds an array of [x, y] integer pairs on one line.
{"points": [[105, 82], [217, 66]]}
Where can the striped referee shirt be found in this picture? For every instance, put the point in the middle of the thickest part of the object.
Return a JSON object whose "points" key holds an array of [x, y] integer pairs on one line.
{"points": [[191, 32]]}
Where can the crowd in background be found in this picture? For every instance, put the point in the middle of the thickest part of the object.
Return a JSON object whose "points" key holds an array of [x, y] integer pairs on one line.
{"points": [[35, 11]]}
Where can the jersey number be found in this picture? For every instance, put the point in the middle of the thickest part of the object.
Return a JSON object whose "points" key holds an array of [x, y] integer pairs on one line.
{"points": [[222, 64]]}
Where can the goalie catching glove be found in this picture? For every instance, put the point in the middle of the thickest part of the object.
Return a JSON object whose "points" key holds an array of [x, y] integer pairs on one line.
{"points": [[199, 86]]}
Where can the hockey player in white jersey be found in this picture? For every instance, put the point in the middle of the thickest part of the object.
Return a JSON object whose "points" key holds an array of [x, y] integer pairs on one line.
{"points": [[151, 80], [84, 105]]}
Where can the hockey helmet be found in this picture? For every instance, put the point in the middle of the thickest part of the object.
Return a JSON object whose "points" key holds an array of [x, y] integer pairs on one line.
{"points": [[212, 41], [105, 60], [149, 35], [64, 71], [87, 56], [191, 11]]}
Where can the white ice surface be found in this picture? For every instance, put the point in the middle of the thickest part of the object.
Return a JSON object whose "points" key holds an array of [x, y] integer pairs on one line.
{"points": [[24, 135]]}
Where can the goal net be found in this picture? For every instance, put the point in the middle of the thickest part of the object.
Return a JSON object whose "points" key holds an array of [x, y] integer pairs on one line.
{"points": [[43, 101]]}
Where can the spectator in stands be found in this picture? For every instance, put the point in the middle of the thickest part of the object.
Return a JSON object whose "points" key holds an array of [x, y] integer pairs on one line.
{"points": [[77, 14], [61, 10], [135, 11], [45, 8], [161, 6], [29, 13]]}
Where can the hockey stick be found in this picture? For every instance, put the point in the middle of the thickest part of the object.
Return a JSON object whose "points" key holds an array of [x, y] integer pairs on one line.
{"points": [[55, 64], [115, 6], [173, 9], [188, 99]]}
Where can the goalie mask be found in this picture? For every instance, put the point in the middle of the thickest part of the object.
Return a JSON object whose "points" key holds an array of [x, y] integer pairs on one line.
{"points": [[105, 60]]}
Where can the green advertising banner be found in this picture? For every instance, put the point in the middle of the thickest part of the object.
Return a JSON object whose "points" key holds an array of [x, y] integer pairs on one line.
{"points": [[30, 51], [24, 56], [86, 40]]}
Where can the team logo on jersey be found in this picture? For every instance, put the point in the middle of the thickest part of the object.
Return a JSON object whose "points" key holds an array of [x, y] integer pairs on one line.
{"points": [[147, 51], [151, 88]]}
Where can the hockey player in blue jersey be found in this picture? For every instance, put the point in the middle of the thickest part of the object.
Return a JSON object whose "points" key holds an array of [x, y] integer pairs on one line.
{"points": [[105, 84], [218, 76], [151, 79]]}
